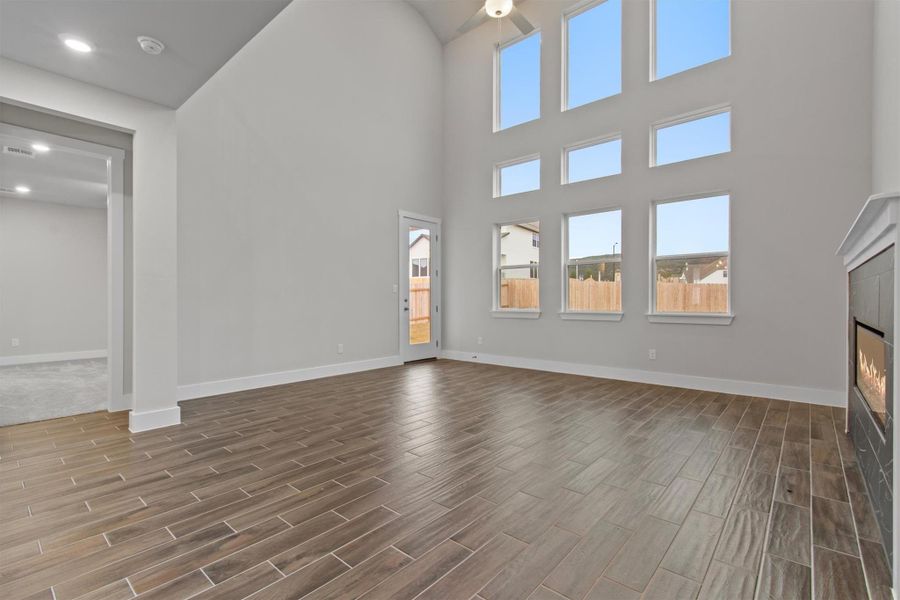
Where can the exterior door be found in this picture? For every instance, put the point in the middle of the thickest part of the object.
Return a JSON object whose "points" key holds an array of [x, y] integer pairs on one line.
{"points": [[420, 290]]}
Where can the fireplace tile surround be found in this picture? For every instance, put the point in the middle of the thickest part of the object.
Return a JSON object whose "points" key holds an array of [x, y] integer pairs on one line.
{"points": [[872, 304]]}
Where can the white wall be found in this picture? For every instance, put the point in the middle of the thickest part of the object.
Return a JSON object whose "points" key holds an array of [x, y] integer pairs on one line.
{"points": [[52, 278], [154, 222], [293, 161], [886, 98], [799, 81]]}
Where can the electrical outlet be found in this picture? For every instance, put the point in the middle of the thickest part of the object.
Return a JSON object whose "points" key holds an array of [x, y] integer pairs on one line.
{"points": [[480, 340], [340, 348], [651, 354], [14, 342]]}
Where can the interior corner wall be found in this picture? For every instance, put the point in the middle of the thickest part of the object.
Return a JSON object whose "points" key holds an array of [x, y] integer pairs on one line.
{"points": [[293, 161], [154, 221], [52, 277], [799, 81], [886, 98], [66, 127]]}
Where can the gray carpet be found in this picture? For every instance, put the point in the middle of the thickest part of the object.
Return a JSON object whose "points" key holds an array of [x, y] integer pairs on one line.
{"points": [[49, 390]]}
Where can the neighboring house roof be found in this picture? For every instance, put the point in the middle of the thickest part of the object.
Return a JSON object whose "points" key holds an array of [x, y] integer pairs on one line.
{"points": [[421, 235]]}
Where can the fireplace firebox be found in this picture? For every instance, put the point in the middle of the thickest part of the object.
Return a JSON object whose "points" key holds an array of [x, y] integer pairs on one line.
{"points": [[871, 371]]}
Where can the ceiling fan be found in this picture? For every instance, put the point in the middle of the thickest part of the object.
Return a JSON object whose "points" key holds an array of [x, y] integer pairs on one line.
{"points": [[497, 9]]}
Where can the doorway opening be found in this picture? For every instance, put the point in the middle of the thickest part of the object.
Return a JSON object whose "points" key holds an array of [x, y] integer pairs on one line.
{"points": [[62, 276]]}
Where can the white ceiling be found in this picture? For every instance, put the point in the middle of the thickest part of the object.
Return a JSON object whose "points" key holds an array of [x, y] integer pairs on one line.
{"points": [[60, 176], [200, 36]]}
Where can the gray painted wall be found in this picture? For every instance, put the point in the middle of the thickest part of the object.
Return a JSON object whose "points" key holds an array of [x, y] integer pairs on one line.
{"points": [[292, 163], [886, 98], [52, 277], [799, 81]]}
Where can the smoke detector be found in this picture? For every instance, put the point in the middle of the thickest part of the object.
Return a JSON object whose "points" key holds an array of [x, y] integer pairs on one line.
{"points": [[151, 45]]}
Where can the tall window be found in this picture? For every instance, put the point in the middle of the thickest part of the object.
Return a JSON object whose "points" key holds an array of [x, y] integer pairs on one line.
{"points": [[593, 55], [592, 160], [518, 82], [517, 176], [517, 262], [690, 33], [593, 262], [695, 136], [691, 258]]}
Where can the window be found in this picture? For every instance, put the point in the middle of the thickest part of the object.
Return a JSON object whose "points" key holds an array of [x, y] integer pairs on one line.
{"points": [[691, 256], [689, 33], [419, 267], [593, 262], [517, 176], [536, 240], [694, 136], [593, 55], [518, 87], [517, 262], [592, 160]]}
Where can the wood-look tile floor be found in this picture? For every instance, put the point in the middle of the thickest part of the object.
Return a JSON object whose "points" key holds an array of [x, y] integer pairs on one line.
{"points": [[443, 480]]}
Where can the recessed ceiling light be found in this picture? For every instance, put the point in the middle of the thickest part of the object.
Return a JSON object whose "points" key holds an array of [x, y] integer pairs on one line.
{"points": [[23, 189], [39, 147], [73, 43]]}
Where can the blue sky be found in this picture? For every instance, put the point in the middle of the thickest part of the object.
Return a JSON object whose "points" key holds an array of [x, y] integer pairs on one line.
{"points": [[599, 160], [690, 33], [521, 177], [595, 54], [520, 82], [692, 226], [595, 234], [693, 139]]}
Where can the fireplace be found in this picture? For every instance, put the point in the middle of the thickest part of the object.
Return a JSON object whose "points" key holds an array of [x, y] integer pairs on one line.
{"points": [[871, 371]]}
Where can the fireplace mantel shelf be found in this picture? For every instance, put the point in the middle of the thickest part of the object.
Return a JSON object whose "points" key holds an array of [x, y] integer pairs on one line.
{"points": [[873, 230]]}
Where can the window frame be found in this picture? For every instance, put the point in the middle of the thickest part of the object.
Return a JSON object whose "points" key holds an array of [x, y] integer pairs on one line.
{"points": [[498, 48], [683, 317], [497, 269], [603, 139], [681, 119], [653, 25], [413, 263], [569, 13], [498, 167], [585, 315]]}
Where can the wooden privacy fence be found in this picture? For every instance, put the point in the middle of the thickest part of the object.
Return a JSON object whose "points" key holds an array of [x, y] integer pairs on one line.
{"points": [[419, 299], [592, 295]]}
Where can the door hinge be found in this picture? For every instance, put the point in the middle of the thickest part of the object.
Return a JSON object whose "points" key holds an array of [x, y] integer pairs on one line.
{"points": [[437, 308], [437, 343]]}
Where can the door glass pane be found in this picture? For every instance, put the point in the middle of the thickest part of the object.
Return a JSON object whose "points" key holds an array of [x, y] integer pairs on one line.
{"points": [[419, 285]]}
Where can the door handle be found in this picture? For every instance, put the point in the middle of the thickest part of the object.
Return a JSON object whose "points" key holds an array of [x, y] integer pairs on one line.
{"points": [[406, 308]]}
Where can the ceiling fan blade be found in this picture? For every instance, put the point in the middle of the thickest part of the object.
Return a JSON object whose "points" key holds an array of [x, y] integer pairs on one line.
{"points": [[520, 21], [474, 21]]}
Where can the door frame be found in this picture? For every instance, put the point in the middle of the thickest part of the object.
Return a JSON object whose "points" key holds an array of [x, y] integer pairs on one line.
{"points": [[434, 270], [115, 250]]}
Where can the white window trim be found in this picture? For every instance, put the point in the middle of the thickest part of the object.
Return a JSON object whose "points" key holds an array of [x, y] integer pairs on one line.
{"points": [[653, 76], [696, 115], [497, 49], [574, 11], [689, 318], [603, 139], [585, 315], [511, 313], [511, 163]]}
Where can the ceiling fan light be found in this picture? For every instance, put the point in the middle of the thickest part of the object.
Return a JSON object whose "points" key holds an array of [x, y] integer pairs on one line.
{"points": [[498, 8]]}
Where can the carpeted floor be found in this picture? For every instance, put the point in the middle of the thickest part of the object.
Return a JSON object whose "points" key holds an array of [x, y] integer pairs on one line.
{"points": [[49, 390]]}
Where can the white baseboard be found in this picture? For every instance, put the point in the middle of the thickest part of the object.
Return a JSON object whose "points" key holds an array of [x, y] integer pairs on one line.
{"points": [[28, 359], [695, 382], [252, 382], [153, 419]]}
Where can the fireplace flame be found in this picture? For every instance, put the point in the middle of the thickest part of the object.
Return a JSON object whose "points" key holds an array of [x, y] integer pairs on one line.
{"points": [[871, 381]]}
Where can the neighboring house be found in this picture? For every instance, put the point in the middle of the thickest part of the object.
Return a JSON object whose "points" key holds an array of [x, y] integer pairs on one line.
{"points": [[712, 272], [419, 255], [520, 245]]}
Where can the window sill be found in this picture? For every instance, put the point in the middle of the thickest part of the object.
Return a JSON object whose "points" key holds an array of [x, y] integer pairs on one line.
{"points": [[691, 318], [591, 316], [515, 314]]}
